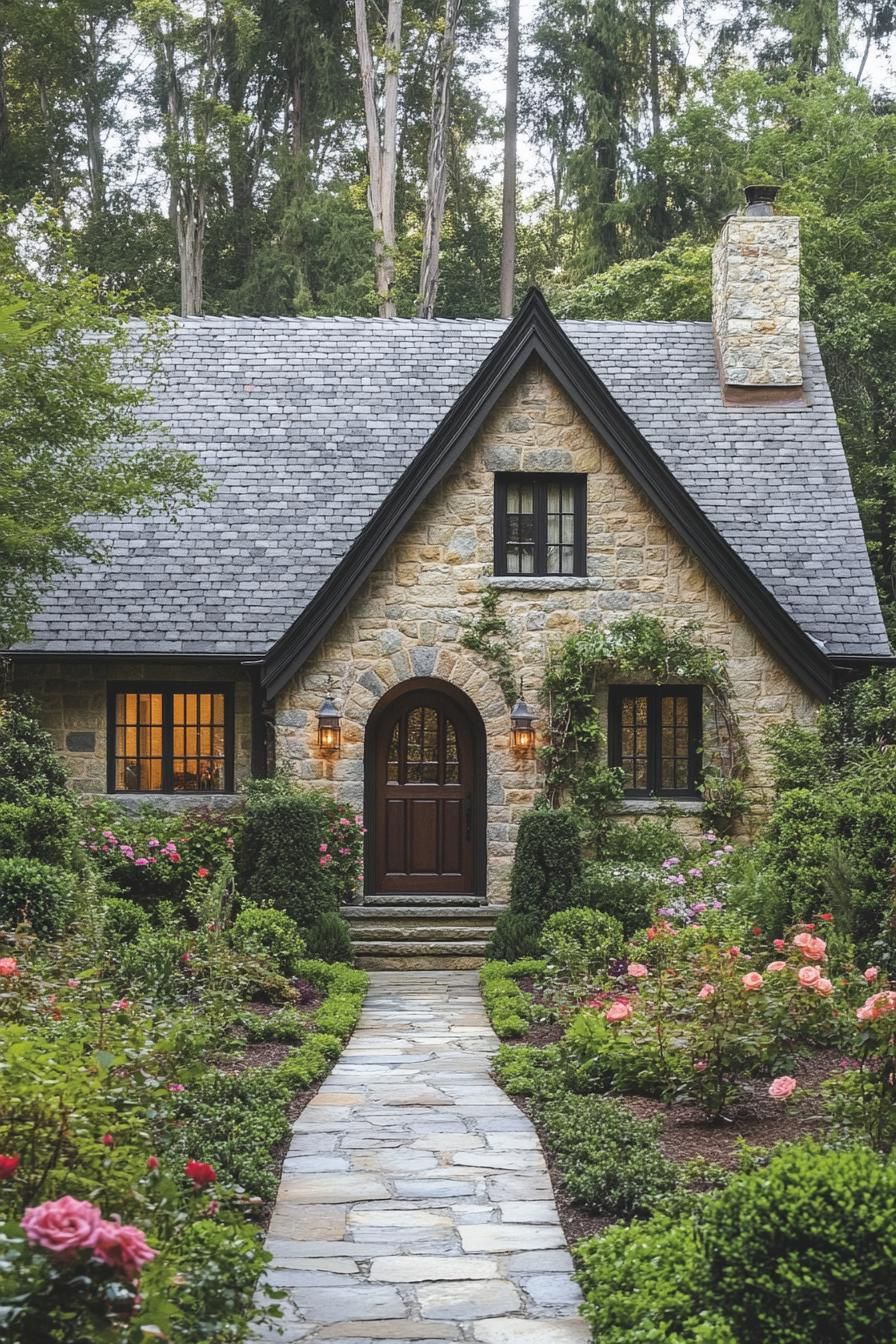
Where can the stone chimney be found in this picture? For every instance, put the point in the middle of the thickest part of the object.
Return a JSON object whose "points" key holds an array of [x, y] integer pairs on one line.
{"points": [[756, 302]]}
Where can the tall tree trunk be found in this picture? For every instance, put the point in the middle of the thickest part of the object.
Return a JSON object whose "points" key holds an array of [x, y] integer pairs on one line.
{"points": [[4, 105], [437, 162], [508, 209], [382, 146], [191, 217]]}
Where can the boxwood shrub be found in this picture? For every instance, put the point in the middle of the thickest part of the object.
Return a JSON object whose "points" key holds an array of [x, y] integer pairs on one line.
{"points": [[547, 864], [278, 862], [508, 1008], [42, 828], [42, 893]]}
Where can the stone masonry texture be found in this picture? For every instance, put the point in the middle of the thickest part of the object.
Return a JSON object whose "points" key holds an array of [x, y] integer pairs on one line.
{"points": [[756, 301], [408, 620]]}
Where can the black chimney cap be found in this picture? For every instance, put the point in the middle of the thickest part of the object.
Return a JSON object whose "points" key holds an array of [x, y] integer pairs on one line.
{"points": [[761, 199]]}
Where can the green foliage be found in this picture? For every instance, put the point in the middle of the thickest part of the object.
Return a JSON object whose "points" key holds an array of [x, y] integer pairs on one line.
{"points": [[65, 411], [598, 1058], [547, 863], [627, 891], [609, 1161], [329, 937], [36, 891], [514, 936], [489, 636], [280, 861], [799, 759], [509, 1009], [40, 829], [218, 1265], [268, 933], [286, 1025], [646, 1284], [578, 944], [123, 922], [672, 285], [30, 768], [527, 1071], [804, 1250]]}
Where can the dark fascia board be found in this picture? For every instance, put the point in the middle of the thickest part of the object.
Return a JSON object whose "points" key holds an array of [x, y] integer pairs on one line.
{"points": [[536, 333], [101, 655]]}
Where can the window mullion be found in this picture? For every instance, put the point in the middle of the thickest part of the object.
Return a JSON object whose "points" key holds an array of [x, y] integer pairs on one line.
{"points": [[654, 740], [168, 742], [540, 505]]}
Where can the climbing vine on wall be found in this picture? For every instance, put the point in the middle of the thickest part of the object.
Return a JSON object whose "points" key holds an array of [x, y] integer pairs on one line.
{"points": [[489, 636], [636, 647]]}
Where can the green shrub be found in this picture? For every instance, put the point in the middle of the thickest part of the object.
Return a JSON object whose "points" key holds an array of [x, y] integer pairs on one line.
{"points": [[329, 937], [798, 757], [218, 1265], [338, 1015], [269, 934], [279, 854], [527, 1071], [756, 894], [29, 764], [579, 944], [646, 1284], [509, 1009], [39, 891], [547, 864], [152, 965], [645, 842], [804, 1250], [40, 829], [609, 1161], [626, 890], [123, 921], [285, 1025], [514, 936], [598, 1058]]}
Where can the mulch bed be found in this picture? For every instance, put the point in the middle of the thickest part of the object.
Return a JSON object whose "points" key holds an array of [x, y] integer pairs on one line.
{"points": [[686, 1134]]}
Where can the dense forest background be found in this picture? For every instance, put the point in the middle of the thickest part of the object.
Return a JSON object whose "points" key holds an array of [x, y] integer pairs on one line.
{"points": [[286, 157]]}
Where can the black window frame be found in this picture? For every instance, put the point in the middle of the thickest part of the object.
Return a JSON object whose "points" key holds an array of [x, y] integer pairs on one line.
{"points": [[168, 689], [540, 482], [654, 695]]}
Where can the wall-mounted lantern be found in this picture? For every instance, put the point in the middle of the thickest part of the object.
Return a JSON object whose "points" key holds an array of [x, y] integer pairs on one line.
{"points": [[522, 725], [329, 723]]}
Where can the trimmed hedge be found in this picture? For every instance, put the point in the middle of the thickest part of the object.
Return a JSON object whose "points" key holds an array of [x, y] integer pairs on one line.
{"points": [[279, 855], [40, 829], [329, 938], [547, 864], [509, 1009], [38, 891], [263, 932]]}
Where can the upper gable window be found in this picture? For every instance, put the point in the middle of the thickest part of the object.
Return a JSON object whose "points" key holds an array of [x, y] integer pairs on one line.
{"points": [[539, 524], [170, 739]]}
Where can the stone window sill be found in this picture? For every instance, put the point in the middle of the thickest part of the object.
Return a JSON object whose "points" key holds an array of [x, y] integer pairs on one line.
{"points": [[542, 583], [648, 807], [173, 802]]}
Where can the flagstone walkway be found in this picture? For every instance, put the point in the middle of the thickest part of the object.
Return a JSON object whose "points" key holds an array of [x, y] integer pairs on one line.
{"points": [[415, 1203]]}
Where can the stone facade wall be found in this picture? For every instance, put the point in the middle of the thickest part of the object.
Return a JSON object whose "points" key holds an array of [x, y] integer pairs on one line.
{"points": [[407, 621], [73, 696], [756, 300]]}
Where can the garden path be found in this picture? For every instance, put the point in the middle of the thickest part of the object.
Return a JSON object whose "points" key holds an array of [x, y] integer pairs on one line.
{"points": [[415, 1203]]}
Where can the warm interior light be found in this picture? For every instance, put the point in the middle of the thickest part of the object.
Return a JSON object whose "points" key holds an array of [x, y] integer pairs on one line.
{"points": [[522, 725], [329, 724]]}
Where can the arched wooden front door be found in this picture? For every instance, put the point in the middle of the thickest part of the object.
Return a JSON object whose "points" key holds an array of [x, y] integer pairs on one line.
{"points": [[426, 798]]}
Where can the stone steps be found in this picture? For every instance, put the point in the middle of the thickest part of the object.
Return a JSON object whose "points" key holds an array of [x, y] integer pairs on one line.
{"points": [[418, 937], [405, 898]]}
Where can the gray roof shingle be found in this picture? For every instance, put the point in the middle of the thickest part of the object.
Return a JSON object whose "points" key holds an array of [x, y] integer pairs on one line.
{"points": [[304, 425]]}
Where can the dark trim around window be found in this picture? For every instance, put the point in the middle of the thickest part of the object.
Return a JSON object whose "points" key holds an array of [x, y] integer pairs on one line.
{"points": [[539, 482], [620, 698], [168, 690]]}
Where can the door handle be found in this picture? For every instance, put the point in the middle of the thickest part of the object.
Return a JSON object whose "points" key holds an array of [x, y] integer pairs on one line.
{"points": [[469, 815]]}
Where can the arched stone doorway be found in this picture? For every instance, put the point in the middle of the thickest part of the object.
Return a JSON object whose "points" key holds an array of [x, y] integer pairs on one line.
{"points": [[425, 787]]}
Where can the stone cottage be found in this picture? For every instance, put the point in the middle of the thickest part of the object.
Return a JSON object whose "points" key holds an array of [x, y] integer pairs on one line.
{"points": [[374, 477]]}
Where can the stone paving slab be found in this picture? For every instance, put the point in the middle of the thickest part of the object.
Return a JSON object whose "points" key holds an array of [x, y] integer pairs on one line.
{"points": [[415, 1203]]}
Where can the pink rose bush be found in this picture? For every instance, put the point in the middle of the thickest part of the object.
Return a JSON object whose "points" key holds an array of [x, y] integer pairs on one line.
{"points": [[782, 1088]]}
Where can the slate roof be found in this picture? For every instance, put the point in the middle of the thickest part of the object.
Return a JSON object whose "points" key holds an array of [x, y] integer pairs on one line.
{"points": [[305, 424]]}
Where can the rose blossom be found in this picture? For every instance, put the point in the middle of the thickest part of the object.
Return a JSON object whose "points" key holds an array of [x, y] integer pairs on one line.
{"points": [[8, 1164], [776, 966], [808, 976], [871, 974], [618, 1012], [121, 1005], [108, 1140], [61, 1225], [752, 980], [779, 944], [733, 952], [637, 969], [152, 1163], [200, 1173], [782, 1088], [878, 1005], [123, 1247], [823, 986], [176, 1087], [9, 966], [706, 992], [202, 872], [700, 1066], [813, 949]]}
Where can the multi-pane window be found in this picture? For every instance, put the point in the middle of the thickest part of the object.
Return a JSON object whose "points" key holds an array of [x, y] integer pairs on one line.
{"points": [[655, 738], [170, 739], [539, 524], [423, 749]]}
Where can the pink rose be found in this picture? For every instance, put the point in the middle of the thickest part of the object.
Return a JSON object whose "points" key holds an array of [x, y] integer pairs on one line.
{"points": [[706, 992], [782, 1088], [864, 1013], [823, 986], [618, 1012], [779, 944], [808, 976], [123, 1247], [700, 1066], [752, 980], [62, 1226], [734, 953], [776, 966], [871, 974], [877, 1006], [8, 966], [813, 949], [637, 969]]}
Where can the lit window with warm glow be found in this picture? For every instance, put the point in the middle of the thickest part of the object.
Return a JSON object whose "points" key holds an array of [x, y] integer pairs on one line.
{"points": [[170, 740]]}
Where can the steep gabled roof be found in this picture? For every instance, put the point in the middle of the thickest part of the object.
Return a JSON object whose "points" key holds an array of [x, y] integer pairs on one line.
{"points": [[536, 334], [305, 426]]}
